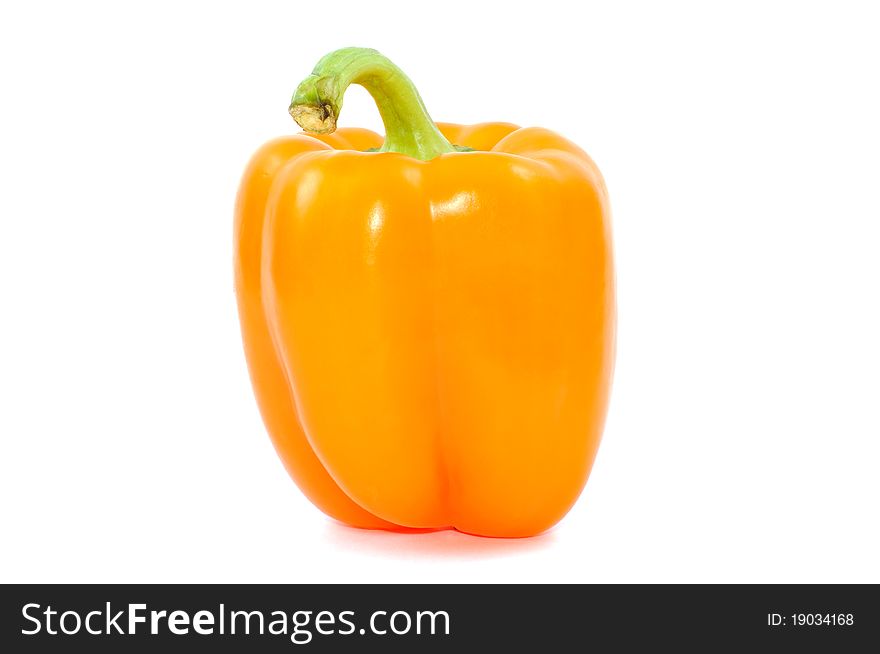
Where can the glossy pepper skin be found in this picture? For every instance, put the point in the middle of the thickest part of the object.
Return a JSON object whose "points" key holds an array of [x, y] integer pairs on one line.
{"points": [[430, 337]]}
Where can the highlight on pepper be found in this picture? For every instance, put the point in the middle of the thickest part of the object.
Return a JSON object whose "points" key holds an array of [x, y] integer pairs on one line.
{"points": [[429, 317]]}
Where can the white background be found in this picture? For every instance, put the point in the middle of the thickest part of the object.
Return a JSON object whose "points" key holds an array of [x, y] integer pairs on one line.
{"points": [[741, 148]]}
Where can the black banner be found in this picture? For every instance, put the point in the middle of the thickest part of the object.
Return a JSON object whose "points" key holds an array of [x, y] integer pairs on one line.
{"points": [[435, 618]]}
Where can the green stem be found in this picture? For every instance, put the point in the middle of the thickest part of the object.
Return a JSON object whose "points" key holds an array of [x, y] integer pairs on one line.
{"points": [[408, 127]]}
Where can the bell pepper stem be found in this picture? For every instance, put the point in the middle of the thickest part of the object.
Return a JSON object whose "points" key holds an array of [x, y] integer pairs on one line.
{"points": [[409, 129]]}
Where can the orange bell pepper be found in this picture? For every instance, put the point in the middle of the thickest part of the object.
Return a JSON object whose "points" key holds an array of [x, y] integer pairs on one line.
{"points": [[429, 327]]}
